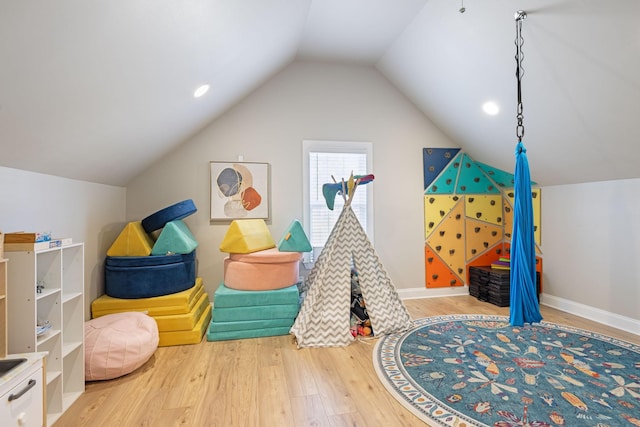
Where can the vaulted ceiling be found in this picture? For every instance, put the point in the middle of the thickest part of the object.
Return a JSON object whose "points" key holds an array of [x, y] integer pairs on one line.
{"points": [[100, 90]]}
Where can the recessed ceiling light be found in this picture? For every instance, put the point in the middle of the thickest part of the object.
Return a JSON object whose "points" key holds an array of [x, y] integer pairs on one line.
{"points": [[491, 108], [200, 91]]}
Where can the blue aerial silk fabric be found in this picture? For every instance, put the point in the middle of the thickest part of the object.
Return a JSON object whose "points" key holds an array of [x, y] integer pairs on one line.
{"points": [[524, 306]]}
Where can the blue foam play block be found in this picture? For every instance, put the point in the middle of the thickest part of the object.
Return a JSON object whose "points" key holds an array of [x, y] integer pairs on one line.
{"points": [[175, 238], [148, 261], [227, 297], [249, 333], [150, 276], [256, 312], [244, 325], [294, 239], [157, 220]]}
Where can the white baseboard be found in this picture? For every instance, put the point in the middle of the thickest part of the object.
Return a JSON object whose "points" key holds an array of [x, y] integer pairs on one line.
{"points": [[416, 293], [598, 315]]}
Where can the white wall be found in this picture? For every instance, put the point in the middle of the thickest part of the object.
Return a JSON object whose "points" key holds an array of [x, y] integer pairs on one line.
{"points": [[86, 212], [306, 100], [590, 232], [591, 245]]}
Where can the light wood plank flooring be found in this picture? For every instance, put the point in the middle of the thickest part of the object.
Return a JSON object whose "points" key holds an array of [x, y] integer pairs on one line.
{"points": [[269, 382]]}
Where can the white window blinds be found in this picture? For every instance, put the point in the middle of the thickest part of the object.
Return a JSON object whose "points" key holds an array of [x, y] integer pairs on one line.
{"points": [[325, 162]]}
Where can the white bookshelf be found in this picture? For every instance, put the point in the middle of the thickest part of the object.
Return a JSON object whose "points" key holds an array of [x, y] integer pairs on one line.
{"points": [[61, 303]]}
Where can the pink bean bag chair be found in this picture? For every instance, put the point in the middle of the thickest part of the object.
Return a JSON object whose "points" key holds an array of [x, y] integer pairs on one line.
{"points": [[117, 344], [264, 270]]}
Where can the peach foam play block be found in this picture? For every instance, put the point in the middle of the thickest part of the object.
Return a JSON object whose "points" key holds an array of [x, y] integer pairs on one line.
{"points": [[263, 270]]}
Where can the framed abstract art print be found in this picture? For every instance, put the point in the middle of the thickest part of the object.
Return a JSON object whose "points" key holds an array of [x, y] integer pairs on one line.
{"points": [[239, 190]]}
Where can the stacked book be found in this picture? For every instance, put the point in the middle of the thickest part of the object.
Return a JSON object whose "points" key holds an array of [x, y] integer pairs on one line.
{"points": [[503, 263]]}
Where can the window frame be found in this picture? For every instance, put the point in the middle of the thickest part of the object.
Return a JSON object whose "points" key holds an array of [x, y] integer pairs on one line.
{"points": [[324, 146]]}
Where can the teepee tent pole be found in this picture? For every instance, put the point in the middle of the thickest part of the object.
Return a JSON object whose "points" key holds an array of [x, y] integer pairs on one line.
{"points": [[524, 306]]}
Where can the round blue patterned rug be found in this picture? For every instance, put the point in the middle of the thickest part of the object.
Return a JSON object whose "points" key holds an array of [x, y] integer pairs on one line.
{"points": [[477, 370]]}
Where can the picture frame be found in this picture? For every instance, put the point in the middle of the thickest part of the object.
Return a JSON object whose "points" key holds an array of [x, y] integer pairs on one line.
{"points": [[240, 190]]}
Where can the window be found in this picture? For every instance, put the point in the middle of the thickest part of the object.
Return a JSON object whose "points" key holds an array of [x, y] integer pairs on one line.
{"points": [[324, 161]]}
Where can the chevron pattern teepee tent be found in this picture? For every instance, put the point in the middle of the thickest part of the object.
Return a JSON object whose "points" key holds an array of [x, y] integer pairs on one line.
{"points": [[323, 320]]}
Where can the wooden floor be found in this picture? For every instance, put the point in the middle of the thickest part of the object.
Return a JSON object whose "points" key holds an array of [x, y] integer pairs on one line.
{"points": [[269, 382]]}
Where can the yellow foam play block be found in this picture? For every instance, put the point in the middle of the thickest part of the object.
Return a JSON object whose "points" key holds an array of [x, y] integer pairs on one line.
{"points": [[183, 322], [193, 336], [132, 241], [177, 303], [245, 236]]}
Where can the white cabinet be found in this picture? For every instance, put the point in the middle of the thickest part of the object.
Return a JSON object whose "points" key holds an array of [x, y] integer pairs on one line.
{"points": [[21, 396], [47, 288]]}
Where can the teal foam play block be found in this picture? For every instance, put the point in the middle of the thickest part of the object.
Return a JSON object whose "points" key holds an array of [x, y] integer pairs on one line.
{"points": [[294, 239], [175, 238], [256, 312], [227, 297], [255, 333], [245, 325]]}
